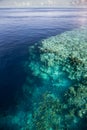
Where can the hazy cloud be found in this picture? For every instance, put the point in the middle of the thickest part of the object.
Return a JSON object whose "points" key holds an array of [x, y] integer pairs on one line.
{"points": [[79, 2], [30, 3]]}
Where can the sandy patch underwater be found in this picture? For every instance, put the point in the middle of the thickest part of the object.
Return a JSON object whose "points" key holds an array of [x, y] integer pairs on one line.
{"points": [[55, 92]]}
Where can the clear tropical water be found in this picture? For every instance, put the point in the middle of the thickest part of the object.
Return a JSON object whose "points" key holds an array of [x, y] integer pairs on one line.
{"points": [[19, 29]]}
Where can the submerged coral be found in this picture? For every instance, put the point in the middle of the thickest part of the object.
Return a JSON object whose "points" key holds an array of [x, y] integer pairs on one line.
{"points": [[60, 115], [77, 99], [59, 62], [68, 49]]}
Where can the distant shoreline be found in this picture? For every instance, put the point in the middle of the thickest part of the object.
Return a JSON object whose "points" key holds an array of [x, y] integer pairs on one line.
{"points": [[43, 7]]}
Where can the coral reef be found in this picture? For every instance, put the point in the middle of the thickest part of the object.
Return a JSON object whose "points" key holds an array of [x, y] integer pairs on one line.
{"points": [[60, 62], [77, 99], [47, 116], [60, 115], [69, 50]]}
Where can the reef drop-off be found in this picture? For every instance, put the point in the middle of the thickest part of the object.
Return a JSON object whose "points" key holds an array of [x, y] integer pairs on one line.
{"points": [[55, 91]]}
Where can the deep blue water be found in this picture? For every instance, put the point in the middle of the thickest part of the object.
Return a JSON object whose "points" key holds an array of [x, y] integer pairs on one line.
{"points": [[20, 28]]}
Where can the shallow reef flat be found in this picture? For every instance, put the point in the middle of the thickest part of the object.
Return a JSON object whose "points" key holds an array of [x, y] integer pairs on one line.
{"points": [[55, 91]]}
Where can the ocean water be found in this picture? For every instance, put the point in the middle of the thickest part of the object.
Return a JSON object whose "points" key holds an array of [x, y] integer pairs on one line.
{"points": [[20, 29]]}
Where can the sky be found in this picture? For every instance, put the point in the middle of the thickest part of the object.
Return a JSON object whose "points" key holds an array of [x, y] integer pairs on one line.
{"points": [[42, 3]]}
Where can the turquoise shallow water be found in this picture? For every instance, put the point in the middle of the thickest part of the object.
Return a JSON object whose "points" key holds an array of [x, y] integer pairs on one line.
{"points": [[49, 79]]}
